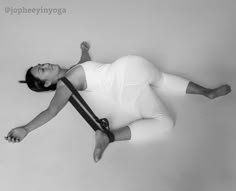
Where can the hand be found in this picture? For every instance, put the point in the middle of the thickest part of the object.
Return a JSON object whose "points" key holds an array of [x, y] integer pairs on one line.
{"points": [[84, 46], [17, 134]]}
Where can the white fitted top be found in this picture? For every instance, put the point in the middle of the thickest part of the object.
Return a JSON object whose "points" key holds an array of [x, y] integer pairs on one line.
{"points": [[97, 75], [123, 80], [104, 78]]}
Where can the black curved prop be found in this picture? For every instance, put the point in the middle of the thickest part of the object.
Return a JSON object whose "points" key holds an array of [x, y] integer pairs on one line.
{"points": [[86, 112]]}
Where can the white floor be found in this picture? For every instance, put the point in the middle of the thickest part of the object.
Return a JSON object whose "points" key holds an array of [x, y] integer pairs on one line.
{"points": [[199, 155]]}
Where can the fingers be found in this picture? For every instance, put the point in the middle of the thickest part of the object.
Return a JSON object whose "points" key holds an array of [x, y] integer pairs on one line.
{"points": [[11, 133], [12, 138], [84, 45]]}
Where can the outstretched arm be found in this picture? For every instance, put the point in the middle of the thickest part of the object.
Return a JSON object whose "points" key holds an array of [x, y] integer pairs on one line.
{"points": [[84, 52], [58, 102]]}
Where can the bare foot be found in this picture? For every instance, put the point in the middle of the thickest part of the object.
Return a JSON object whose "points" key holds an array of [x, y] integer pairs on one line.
{"points": [[102, 141], [220, 91]]}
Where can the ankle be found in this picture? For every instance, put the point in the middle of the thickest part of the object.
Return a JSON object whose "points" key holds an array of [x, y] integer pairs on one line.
{"points": [[210, 93], [122, 134], [207, 92]]}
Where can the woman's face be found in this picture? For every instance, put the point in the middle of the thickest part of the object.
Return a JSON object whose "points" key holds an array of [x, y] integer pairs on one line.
{"points": [[46, 72]]}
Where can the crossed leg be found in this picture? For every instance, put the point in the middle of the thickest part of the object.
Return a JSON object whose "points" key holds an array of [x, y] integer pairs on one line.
{"points": [[153, 122]]}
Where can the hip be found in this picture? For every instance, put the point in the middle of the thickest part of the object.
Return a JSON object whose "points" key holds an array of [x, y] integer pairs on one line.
{"points": [[135, 70]]}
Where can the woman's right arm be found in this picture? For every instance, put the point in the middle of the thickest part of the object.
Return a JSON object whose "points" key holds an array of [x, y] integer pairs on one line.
{"points": [[58, 102], [40, 120]]}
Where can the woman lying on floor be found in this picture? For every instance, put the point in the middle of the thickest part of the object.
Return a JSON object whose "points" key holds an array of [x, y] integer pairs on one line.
{"points": [[128, 80]]}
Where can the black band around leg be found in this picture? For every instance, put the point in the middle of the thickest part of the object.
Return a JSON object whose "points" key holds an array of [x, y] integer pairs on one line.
{"points": [[110, 136]]}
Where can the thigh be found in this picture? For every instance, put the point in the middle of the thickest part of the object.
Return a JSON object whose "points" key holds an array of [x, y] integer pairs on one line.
{"points": [[154, 121], [149, 105], [138, 70]]}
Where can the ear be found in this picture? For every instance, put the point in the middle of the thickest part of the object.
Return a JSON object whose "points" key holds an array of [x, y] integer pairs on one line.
{"points": [[47, 83]]}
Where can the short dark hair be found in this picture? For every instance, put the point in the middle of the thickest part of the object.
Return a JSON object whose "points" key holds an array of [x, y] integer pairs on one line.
{"points": [[35, 84]]}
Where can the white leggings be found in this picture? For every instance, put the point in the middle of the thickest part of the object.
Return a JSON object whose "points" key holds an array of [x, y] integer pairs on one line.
{"points": [[153, 120]]}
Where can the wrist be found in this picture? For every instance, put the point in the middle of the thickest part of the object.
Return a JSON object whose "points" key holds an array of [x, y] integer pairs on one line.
{"points": [[84, 50], [26, 129]]}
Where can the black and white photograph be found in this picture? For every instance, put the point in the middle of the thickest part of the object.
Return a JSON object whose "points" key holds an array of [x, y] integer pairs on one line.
{"points": [[121, 95]]}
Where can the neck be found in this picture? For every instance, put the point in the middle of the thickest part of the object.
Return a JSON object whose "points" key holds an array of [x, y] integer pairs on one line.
{"points": [[62, 73]]}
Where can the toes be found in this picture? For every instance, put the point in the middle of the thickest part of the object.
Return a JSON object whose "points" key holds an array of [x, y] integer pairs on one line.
{"points": [[97, 154], [227, 89], [102, 142]]}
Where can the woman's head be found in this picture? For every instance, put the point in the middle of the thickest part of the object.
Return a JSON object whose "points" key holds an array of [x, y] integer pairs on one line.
{"points": [[42, 77]]}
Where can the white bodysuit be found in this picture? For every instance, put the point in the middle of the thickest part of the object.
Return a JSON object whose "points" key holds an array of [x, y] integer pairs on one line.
{"points": [[129, 82]]}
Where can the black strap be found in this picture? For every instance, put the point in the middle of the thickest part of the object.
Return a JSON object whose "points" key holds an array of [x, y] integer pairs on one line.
{"points": [[89, 114]]}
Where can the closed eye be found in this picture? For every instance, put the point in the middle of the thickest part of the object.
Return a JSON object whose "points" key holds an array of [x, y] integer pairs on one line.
{"points": [[40, 70]]}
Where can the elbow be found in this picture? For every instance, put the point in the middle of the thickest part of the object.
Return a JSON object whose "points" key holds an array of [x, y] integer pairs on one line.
{"points": [[53, 111]]}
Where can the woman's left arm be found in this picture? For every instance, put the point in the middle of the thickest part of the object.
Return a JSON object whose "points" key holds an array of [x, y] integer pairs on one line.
{"points": [[84, 52]]}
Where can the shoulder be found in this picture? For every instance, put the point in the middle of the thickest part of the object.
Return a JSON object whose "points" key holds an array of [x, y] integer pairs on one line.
{"points": [[76, 76], [89, 64], [75, 70]]}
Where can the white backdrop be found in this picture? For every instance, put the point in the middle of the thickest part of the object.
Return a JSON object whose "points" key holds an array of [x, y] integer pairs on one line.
{"points": [[193, 38]]}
